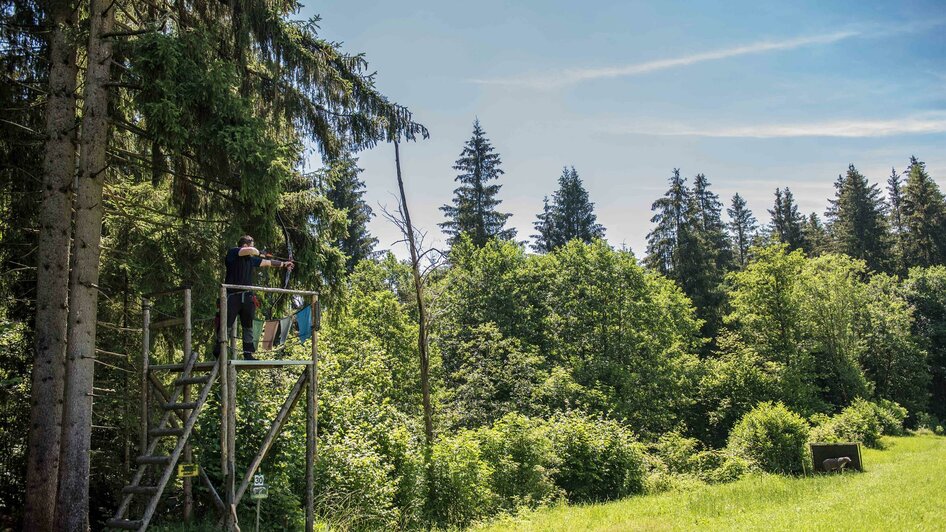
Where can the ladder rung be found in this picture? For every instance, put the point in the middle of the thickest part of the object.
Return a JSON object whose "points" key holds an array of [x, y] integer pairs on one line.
{"points": [[124, 524], [192, 380], [179, 406], [140, 490], [159, 433], [153, 459]]}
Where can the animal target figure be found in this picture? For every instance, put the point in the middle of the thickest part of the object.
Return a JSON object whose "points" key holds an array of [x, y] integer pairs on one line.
{"points": [[836, 464]]}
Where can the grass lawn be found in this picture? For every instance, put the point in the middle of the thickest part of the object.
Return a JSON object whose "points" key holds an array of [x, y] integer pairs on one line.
{"points": [[903, 488]]}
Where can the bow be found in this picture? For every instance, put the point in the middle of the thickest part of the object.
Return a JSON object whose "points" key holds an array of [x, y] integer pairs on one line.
{"points": [[288, 274]]}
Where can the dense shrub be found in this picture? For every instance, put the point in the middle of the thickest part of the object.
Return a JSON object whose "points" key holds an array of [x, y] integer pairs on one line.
{"points": [[520, 454], [856, 423], [600, 459], [862, 421], [355, 491], [677, 462], [771, 437], [891, 417], [459, 481]]}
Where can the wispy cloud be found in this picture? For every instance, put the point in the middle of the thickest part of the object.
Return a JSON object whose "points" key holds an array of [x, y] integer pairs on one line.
{"points": [[929, 123], [561, 78], [570, 77]]}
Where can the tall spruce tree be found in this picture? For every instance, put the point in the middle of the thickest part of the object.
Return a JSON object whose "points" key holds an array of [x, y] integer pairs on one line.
{"points": [[895, 217], [569, 216], [671, 216], [743, 228], [474, 203], [786, 223], [816, 236], [857, 223], [346, 191], [679, 249], [709, 215], [924, 218]]}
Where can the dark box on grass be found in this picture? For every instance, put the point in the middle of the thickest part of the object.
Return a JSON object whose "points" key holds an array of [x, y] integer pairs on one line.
{"points": [[822, 451]]}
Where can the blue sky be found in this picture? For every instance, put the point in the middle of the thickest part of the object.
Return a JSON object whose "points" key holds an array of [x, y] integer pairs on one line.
{"points": [[756, 95]]}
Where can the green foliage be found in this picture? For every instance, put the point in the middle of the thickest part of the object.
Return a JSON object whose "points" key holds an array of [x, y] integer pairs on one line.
{"points": [[614, 338], [600, 459], [925, 290], [523, 461], [858, 422], [474, 204], [771, 437], [571, 215], [459, 481], [857, 221], [743, 229], [495, 376], [894, 359], [14, 410], [787, 222], [690, 246], [731, 384], [923, 213], [346, 191]]}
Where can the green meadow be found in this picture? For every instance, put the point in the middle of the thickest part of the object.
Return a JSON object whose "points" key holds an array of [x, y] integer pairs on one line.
{"points": [[903, 488]]}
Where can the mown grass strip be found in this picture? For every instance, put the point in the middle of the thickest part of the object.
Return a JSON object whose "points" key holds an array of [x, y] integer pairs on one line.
{"points": [[904, 488]]}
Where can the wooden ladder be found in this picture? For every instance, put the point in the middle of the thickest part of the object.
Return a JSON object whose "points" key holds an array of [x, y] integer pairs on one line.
{"points": [[164, 430]]}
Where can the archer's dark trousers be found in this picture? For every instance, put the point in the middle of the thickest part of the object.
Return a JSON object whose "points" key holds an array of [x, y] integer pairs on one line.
{"points": [[242, 304]]}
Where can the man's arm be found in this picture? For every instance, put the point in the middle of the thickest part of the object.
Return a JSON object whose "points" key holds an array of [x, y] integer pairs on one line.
{"points": [[248, 251], [267, 263]]}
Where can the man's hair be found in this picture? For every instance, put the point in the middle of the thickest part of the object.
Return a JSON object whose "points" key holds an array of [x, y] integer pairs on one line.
{"points": [[245, 239]]}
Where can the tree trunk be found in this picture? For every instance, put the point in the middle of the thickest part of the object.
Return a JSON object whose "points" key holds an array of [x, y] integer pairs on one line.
{"points": [[73, 501], [422, 343], [52, 272]]}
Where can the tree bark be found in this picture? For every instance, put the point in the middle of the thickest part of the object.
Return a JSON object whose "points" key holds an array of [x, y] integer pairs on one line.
{"points": [[52, 272], [72, 504], [422, 343]]}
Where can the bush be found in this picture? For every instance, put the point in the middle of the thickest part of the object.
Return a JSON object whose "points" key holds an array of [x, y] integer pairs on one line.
{"points": [[675, 455], [771, 437], [355, 491], [859, 422], [891, 417], [459, 481], [600, 459], [520, 454]]}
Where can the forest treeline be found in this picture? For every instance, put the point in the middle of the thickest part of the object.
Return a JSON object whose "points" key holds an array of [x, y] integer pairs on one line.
{"points": [[141, 139]]}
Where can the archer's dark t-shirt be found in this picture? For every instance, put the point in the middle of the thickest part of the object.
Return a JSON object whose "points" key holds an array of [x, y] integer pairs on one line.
{"points": [[240, 269]]}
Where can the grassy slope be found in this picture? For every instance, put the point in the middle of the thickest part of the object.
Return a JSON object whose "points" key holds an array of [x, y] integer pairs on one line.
{"points": [[904, 488]]}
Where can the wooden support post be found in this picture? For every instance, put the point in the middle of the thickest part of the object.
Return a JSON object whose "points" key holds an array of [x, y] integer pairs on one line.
{"points": [[145, 353], [224, 404], [230, 486], [188, 457], [312, 417]]}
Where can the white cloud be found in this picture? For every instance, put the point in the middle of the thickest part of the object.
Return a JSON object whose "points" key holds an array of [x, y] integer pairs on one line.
{"points": [[570, 77], [930, 123]]}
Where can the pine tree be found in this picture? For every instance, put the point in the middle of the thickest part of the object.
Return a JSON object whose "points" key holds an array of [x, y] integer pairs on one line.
{"points": [[815, 235], [786, 223], [474, 204], [857, 222], [924, 218], [671, 218], [895, 218], [570, 215], [680, 249], [709, 215], [346, 192], [742, 229]]}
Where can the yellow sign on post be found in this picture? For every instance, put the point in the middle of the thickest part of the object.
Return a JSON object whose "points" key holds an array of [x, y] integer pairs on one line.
{"points": [[188, 470]]}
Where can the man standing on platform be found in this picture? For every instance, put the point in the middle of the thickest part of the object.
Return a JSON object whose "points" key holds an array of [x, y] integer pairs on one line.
{"points": [[240, 262]]}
